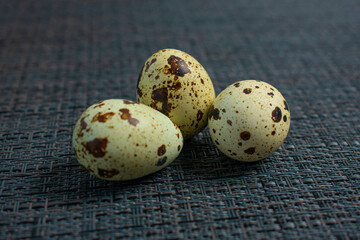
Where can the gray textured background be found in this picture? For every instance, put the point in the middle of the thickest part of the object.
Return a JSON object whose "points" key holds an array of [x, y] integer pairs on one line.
{"points": [[59, 57]]}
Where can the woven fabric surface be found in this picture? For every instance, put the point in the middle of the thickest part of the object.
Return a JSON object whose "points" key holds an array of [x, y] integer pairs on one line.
{"points": [[59, 57]]}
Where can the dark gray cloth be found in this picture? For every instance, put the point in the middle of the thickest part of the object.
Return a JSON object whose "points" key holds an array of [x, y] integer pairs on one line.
{"points": [[59, 57]]}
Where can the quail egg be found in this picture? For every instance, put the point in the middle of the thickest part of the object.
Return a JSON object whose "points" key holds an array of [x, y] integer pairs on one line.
{"points": [[249, 120], [176, 84], [119, 139]]}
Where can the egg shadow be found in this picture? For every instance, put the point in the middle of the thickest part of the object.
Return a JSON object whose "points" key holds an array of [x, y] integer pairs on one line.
{"points": [[73, 182], [200, 159], [92, 186]]}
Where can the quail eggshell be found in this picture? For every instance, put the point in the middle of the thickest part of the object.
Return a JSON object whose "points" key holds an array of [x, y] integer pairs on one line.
{"points": [[250, 119], [176, 84], [118, 139]]}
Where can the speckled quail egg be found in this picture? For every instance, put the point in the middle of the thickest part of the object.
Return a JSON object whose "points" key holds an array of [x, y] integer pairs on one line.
{"points": [[122, 140], [177, 85], [249, 120]]}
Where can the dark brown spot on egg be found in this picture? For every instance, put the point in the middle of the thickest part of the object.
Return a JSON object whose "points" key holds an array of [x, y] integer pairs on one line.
{"points": [[214, 114], [245, 135], [149, 64], [157, 77], [202, 81], [199, 115], [96, 147], [237, 84], [178, 66], [214, 131], [139, 92], [178, 135], [83, 124], [229, 122], [160, 95], [250, 150], [179, 147], [276, 114], [256, 86], [271, 94], [133, 121], [223, 110], [161, 161], [99, 104], [102, 117], [247, 90], [176, 86], [286, 105], [125, 115], [240, 144], [285, 118], [107, 173], [161, 150], [217, 142], [273, 133]]}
